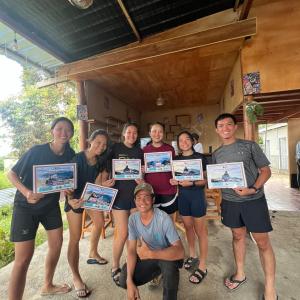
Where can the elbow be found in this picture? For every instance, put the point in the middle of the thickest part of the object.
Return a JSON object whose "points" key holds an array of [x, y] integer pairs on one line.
{"points": [[10, 175]]}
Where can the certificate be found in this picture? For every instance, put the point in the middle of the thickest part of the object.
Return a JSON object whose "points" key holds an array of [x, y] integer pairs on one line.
{"points": [[158, 162], [98, 197], [54, 178], [227, 175], [187, 169], [126, 169]]}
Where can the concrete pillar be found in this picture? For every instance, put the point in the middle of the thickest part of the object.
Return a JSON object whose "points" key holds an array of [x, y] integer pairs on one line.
{"points": [[83, 125]]}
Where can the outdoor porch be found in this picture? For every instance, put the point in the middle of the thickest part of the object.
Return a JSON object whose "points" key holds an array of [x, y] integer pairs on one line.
{"points": [[284, 204]]}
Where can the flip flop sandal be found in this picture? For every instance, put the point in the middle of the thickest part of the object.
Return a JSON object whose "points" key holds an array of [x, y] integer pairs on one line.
{"points": [[58, 292], [116, 276], [96, 261], [83, 293], [189, 262], [232, 280], [199, 275]]}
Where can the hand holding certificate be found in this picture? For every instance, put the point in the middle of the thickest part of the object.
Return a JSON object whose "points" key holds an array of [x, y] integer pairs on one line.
{"points": [[187, 169], [156, 162], [227, 175], [54, 178], [126, 169], [98, 197]]}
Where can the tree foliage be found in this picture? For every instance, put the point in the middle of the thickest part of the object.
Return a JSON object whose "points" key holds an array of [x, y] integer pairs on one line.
{"points": [[29, 115]]}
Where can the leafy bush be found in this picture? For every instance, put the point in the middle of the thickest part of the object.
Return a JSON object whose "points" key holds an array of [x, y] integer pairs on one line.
{"points": [[7, 252], [4, 182]]}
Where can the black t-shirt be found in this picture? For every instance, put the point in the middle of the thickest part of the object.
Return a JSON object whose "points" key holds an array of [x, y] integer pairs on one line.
{"points": [[120, 151], [195, 155], [38, 155], [85, 172]]}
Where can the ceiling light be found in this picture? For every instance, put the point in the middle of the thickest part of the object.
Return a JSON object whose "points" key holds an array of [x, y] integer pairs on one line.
{"points": [[160, 101], [82, 4]]}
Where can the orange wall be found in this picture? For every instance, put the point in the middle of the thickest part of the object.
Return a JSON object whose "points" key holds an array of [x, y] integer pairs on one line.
{"points": [[232, 101], [274, 51]]}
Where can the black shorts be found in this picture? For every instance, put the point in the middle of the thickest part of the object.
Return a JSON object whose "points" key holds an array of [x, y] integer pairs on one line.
{"points": [[253, 214], [167, 203], [191, 203], [68, 207], [24, 224], [124, 203]]}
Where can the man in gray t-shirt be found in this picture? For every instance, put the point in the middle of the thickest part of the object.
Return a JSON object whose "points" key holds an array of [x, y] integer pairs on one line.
{"points": [[153, 247], [246, 208]]}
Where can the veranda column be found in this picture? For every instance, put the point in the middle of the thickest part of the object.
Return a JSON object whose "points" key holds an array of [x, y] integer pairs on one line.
{"points": [[249, 129], [83, 126]]}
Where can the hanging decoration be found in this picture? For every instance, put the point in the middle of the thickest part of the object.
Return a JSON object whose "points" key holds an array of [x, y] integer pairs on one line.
{"points": [[253, 111], [81, 4]]}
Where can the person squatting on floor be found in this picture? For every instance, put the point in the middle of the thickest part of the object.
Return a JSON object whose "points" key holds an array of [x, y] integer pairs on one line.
{"points": [[246, 208], [154, 247]]}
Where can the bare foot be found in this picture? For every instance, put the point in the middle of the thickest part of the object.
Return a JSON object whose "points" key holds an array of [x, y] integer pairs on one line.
{"points": [[56, 289]]}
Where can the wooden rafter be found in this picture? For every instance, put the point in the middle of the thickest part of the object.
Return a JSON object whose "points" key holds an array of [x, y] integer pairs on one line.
{"points": [[233, 31], [129, 20]]}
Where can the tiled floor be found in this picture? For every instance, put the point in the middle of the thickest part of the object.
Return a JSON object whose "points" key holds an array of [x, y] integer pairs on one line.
{"points": [[279, 194]]}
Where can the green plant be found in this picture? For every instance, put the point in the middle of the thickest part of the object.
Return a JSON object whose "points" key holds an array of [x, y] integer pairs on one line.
{"points": [[4, 182], [254, 110]]}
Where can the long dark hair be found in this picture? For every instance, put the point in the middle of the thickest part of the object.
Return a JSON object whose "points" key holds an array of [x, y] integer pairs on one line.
{"points": [[189, 135]]}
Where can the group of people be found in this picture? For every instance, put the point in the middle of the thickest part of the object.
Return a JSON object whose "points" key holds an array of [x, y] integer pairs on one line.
{"points": [[143, 211]]}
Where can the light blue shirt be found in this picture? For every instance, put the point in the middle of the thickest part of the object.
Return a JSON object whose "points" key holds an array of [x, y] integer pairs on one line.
{"points": [[160, 233], [298, 151]]}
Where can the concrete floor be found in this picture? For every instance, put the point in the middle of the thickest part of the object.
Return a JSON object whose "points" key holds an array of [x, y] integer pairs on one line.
{"points": [[284, 202], [285, 239]]}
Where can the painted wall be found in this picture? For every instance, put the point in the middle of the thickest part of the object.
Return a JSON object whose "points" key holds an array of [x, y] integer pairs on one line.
{"points": [[275, 146], [205, 129], [233, 93], [274, 51]]}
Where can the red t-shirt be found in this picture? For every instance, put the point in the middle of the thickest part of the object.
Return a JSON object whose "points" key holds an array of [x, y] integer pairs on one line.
{"points": [[160, 181]]}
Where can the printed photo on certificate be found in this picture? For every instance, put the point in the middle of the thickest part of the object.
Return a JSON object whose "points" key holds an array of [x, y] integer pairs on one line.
{"points": [[187, 169], [54, 178], [126, 169], [227, 175], [98, 197], [158, 162]]}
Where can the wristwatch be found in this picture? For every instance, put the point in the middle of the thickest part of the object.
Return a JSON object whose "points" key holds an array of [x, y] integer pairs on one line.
{"points": [[255, 188]]}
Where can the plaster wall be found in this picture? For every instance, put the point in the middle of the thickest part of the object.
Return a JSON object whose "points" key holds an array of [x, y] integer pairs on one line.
{"points": [[205, 129], [274, 51]]}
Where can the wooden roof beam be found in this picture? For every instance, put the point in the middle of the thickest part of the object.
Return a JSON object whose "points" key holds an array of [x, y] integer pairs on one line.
{"points": [[233, 31], [129, 20]]}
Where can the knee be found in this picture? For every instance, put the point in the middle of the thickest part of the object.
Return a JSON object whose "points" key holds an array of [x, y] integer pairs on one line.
{"points": [[238, 236], [74, 239], [263, 244], [23, 262], [189, 226]]}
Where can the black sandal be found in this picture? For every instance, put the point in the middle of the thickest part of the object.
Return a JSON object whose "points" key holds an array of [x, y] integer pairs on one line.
{"points": [[116, 276], [189, 262], [199, 275]]}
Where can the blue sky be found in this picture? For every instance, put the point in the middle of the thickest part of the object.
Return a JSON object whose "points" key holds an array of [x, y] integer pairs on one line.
{"points": [[10, 79]]}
